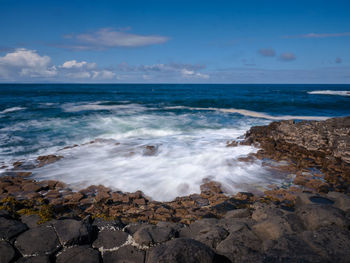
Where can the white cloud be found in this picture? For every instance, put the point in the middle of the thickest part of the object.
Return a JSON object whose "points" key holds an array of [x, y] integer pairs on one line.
{"points": [[320, 35], [74, 64], [26, 62], [190, 73], [109, 38], [103, 74]]}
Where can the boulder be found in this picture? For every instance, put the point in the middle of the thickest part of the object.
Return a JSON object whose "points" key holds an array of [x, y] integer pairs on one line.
{"points": [[31, 220], [108, 239], [272, 228], [72, 232], [238, 213], [10, 228], [342, 201], [180, 250], [41, 240], [7, 253], [78, 254], [125, 254]]}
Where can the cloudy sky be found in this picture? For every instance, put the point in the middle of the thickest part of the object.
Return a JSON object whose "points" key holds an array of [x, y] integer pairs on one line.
{"points": [[168, 41]]}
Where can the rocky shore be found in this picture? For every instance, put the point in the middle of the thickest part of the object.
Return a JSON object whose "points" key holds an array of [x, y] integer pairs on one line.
{"points": [[308, 221]]}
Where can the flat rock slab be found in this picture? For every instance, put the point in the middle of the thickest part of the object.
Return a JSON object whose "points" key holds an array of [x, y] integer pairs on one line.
{"points": [[7, 253], [180, 250], [78, 254], [72, 232], [125, 254], [41, 240], [38, 259], [10, 228], [31, 220], [108, 239]]}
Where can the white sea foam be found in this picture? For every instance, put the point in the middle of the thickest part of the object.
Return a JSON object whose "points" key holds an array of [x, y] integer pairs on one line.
{"points": [[253, 114], [12, 110], [331, 92]]}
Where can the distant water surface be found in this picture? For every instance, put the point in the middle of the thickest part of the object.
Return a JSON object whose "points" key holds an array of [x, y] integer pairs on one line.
{"points": [[161, 139]]}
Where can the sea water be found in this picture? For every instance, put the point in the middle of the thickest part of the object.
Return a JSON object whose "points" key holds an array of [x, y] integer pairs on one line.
{"points": [[162, 139]]}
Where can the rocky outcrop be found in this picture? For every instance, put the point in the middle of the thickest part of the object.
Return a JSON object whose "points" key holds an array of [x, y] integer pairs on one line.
{"points": [[322, 145]]}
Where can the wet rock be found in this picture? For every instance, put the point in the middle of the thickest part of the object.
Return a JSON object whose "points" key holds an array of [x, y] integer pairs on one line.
{"points": [[10, 228], [150, 150], [316, 216], [180, 250], [37, 259], [149, 234], [38, 241], [101, 224], [70, 232], [332, 243], [32, 187], [125, 254], [47, 159], [7, 253], [108, 239], [78, 254]]}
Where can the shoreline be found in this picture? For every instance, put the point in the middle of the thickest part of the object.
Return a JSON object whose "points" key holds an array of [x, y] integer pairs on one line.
{"points": [[318, 153]]}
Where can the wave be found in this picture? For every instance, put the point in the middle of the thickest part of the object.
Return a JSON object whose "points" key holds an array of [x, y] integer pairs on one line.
{"points": [[97, 106], [330, 92], [254, 114], [12, 109]]}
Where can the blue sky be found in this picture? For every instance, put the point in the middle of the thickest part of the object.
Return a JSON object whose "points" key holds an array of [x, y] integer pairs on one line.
{"points": [[175, 41]]}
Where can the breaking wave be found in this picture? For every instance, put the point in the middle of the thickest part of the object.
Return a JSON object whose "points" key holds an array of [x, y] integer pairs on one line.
{"points": [[331, 92]]}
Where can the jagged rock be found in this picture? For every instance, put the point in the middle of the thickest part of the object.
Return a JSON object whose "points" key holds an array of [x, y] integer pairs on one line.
{"points": [[316, 216], [78, 254], [37, 259], [38, 241], [125, 254], [149, 234], [70, 232], [47, 159], [7, 253], [10, 228], [180, 250], [332, 243], [108, 239]]}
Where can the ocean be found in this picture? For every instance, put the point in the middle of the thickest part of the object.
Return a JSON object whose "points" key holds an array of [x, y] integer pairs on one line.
{"points": [[162, 139]]}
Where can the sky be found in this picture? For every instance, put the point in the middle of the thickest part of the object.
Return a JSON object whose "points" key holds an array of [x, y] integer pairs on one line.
{"points": [[168, 41]]}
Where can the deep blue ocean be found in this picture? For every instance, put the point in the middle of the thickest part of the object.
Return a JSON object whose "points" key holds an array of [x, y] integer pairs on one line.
{"points": [[188, 127]]}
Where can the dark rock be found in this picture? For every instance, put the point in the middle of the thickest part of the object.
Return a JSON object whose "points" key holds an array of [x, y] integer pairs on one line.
{"points": [[125, 254], [30, 220], [149, 234], [180, 250], [272, 228], [132, 228], [10, 228], [7, 253], [290, 248], [241, 246], [332, 243], [78, 254], [70, 232], [37, 259], [206, 231], [342, 201], [101, 224], [47, 159], [316, 216], [108, 239], [38, 241]]}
